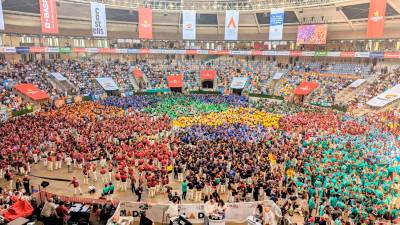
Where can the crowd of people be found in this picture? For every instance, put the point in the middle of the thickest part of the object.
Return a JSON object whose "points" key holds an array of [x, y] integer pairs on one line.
{"points": [[309, 160]]}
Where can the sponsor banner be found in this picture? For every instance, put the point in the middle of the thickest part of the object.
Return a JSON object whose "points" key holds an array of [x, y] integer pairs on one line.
{"points": [[208, 74], [357, 83], [133, 51], [107, 83], [308, 53], [282, 53], [378, 55], [180, 52], [191, 52], [238, 82], [269, 53], [37, 49], [362, 55], [122, 50], [256, 53], [277, 76], [203, 52], [52, 50], [175, 81], [144, 51], [386, 97], [48, 16], [235, 212], [22, 50], [79, 50], [305, 88], [1, 16], [240, 52], [347, 54], [333, 54], [157, 51], [392, 55], [65, 50], [99, 21], [7, 49], [145, 23], [189, 25], [223, 52], [276, 24], [295, 53], [31, 91], [376, 18], [212, 52], [92, 50], [58, 76], [321, 54], [231, 25]]}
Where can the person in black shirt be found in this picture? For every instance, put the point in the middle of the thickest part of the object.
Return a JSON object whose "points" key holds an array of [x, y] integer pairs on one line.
{"points": [[26, 182]]}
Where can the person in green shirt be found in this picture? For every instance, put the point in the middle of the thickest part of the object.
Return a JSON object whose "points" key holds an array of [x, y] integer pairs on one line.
{"points": [[184, 189], [106, 189]]}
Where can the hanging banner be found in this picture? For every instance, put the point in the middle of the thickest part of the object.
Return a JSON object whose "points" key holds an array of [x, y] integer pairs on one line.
{"points": [[1, 17], [175, 81], [276, 24], [376, 18], [189, 25], [48, 16], [231, 25], [99, 21], [145, 23]]}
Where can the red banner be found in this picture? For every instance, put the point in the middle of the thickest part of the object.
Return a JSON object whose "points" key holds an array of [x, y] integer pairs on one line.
{"points": [[348, 54], [48, 15], [37, 49], [208, 74], [305, 88], [295, 53], [137, 73], [376, 18], [145, 23], [175, 81], [31, 91], [256, 52], [191, 52], [79, 50], [392, 55]]}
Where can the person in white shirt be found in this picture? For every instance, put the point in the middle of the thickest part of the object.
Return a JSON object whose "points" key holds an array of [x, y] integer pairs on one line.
{"points": [[48, 211], [269, 217], [172, 212], [68, 162], [209, 208]]}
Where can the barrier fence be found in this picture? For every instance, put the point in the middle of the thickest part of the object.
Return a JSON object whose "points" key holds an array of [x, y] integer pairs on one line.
{"points": [[235, 212]]}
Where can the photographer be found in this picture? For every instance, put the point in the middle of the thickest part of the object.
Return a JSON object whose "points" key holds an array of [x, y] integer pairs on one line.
{"points": [[172, 212]]}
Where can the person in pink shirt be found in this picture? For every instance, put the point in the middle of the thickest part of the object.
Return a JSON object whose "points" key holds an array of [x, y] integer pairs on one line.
{"points": [[75, 184]]}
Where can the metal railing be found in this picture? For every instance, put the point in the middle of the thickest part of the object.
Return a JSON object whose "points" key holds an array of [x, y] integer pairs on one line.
{"points": [[213, 5]]}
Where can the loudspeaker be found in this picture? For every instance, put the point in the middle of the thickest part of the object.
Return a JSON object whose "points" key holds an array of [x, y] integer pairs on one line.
{"points": [[44, 184]]}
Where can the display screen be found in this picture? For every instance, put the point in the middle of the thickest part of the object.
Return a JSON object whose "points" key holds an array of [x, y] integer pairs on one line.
{"points": [[312, 34]]}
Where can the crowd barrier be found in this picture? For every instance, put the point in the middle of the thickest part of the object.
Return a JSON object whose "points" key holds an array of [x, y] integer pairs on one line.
{"points": [[235, 212], [41, 197]]}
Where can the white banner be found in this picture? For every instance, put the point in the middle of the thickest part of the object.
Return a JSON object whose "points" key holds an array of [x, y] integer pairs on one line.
{"points": [[235, 212], [1, 16], [362, 54], [277, 18], [99, 21], [357, 83], [386, 97], [231, 25], [333, 54], [189, 25]]}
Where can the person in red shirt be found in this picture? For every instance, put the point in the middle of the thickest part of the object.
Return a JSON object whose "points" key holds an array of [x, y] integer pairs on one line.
{"points": [[118, 180], [94, 171], [123, 181], [103, 175], [75, 184]]}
